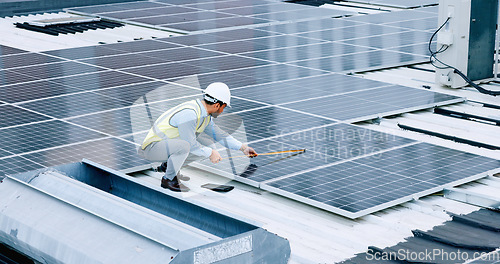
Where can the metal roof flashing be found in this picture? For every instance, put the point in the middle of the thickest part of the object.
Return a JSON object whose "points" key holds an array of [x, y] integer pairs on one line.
{"points": [[105, 212]]}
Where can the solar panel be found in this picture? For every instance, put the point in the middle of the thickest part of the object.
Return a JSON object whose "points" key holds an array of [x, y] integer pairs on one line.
{"points": [[241, 34], [25, 59], [193, 67], [208, 16], [233, 80], [317, 87], [425, 24], [9, 77], [99, 8], [43, 135], [234, 47], [166, 70], [181, 54], [365, 185], [111, 152], [139, 118], [304, 14], [417, 49], [6, 50], [273, 42], [33, 90], [123, 61], [269, 122], [149, 92], [138, 13], [205, 15], [217, 24], [290, 54], [399, 3], [324, 145], [74, 104], [362, 61], [194, 39], [226, 4], [223, 63], [166, 20], [340, 142], [351, 32], [85, 52], [388, 17], [246, 10], [141, 45], [16, 164], [99, 80], [249, 76], [182, 2], [309, 25], [126, 14], [54, 70], [265, 167], [277, 72], [4, 153], [373, 103], [392, 40], [11, 115], [117, 7], [284, 41]]}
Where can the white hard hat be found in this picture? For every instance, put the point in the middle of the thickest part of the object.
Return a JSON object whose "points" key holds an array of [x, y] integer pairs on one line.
{"points": [[219, 91]]}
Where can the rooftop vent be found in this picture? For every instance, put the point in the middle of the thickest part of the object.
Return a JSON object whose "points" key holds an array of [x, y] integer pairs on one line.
{"points": [[67, 25]]}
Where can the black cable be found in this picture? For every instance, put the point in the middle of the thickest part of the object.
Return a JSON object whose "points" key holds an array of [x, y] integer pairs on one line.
{"points": [[455, 70], [479, 88], [434, 34]]}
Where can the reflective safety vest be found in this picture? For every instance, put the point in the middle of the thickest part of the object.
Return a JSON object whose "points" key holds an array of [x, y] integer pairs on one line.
{"points": [[163, 129]]}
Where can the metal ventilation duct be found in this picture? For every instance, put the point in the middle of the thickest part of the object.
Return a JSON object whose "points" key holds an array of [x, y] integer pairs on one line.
{"points": [[87, 213]]}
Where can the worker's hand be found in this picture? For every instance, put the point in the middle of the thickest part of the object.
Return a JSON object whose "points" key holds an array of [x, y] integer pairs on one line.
{"points": [[248, 151], [215, 156]]}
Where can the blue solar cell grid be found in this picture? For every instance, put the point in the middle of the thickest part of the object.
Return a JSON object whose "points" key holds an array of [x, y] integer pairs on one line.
{"points": [[355, 188], [285, 65], [209, 16]]}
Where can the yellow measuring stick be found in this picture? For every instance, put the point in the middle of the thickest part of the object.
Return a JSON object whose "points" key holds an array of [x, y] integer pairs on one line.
{"points": [[270, 153]]}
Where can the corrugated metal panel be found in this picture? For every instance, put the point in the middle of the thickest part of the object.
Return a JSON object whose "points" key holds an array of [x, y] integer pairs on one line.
{"points": [[462, 239]]}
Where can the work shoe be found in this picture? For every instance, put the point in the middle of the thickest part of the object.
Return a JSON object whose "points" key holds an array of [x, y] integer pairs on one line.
{"points": [[163, 168], [173, 185]]}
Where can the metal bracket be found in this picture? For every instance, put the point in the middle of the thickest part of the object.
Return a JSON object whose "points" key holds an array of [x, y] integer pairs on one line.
{"points": [[472, 198]]}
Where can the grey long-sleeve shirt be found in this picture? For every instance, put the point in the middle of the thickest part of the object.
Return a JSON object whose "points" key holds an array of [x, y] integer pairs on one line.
{"points": [[186, 120]]}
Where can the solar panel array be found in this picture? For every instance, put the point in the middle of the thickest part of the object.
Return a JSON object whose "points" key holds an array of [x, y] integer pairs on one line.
{"points": [[346, 169], [358, 42], [98, 102], [367, 184], [203, 16], [352, 44]]}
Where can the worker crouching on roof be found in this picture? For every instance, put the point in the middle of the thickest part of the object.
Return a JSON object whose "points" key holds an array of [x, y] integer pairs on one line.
{"points": [[173, 137]]}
